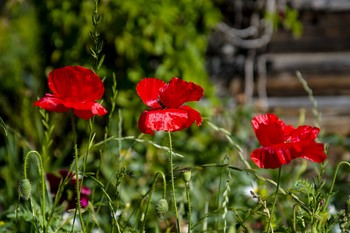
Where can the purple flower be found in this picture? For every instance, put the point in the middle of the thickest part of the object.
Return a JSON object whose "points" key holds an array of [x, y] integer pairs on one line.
{"points": [[69, 194]]}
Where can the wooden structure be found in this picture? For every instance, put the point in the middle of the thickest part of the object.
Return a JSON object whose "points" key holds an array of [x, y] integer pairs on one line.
{"points": [[321, 54]]}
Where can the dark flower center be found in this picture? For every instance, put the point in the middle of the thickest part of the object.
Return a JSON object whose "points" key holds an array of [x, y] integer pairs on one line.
{"points": [[160, 103]]}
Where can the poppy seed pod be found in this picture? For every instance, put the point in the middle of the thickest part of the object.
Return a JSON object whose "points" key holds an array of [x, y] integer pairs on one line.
{"points": [[162, 207], [25, 189], [186, 176]]}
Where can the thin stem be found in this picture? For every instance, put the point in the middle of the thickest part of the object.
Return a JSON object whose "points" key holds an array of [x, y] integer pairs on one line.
{"points": [[311, 97], [333, 182], [275, 199], [295, 209], [173, 183], [96, 49], [43, 184], [189, 214], [91, 139], [164, 185], [228, 137], [77, 186], [58, 195], [150, 197]]}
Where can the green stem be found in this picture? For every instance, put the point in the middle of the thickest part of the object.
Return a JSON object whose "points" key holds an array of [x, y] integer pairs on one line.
{"points": [[173, 183], [77, 182], [295, 209], [91, 139], [43, 184], [61, 186], [333, 182], [189, 214], [275, 200], [150, 197], [115, 222], [234, 144]]}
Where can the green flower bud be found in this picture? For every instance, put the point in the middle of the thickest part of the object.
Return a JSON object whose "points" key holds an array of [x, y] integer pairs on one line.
{"points": [[187, 176], [162, 207], [25, 189]]}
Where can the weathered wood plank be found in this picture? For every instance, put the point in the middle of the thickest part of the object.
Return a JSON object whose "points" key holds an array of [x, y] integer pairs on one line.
{"points": [[287, 84], [335, 111]]}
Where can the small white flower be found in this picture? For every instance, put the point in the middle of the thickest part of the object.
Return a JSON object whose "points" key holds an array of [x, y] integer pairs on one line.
{"points": [[249, 189]]}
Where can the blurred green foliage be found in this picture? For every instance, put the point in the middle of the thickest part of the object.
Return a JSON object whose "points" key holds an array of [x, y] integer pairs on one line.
{"points": [[141, 39]]}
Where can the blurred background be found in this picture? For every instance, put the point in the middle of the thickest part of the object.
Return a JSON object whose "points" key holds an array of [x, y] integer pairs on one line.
{"points": [[244, 53]]}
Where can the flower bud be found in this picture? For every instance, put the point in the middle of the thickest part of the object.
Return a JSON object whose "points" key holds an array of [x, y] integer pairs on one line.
{"points": [[162, 207], [187, 176], [25, 189]]}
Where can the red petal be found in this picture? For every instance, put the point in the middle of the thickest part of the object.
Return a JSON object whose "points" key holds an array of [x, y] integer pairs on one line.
{"points": [[84, 114], [76, 82], [167, 120], [97, 109], [143, 124], [193, 116], [177, 92], [51, 103], [269, 129], [314, 152], [90, 111], [273, 156], [304, 134], [148, 90]]}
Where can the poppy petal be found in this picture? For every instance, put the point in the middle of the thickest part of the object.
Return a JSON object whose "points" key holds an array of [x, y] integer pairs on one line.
{"points": [[84, 114], [273, 156], [97, 109], [269, 130], [89, 110], [148, 90], [304, 133], [193, 116], [51, 103], [314, 152], [167, 120], [177, 92], [282, 143], [76, 82]]}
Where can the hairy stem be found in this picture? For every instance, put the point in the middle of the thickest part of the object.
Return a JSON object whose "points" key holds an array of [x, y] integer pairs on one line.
{"points": [[189, 213], [333, 182], [274, 200], [173, 184], [43, 184], [150, 197], [77, 183]]}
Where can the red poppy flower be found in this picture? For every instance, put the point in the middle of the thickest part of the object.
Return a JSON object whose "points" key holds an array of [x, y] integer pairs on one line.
{"points": [[74, 87], [282, 143], [165, 101], [69, 193]]}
